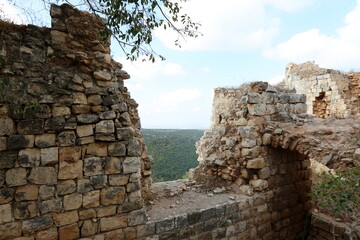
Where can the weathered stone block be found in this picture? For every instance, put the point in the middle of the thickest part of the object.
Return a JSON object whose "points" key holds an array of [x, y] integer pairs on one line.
{"points": [[112, 195], [251, 152], [81, 109], [125, 119], [7, 126], [31, 126], [118, 180], [55, 124], [99, 181], [69, 154], [91, 199], [254, 98], [88, 228], [49, 234], [49, 156], [111, 223], [66, 187], [5, 213], [85, 140], [37, 224], [107, 115], [8, 159], [87, 214], [6, 195], [70, 170], [29, 157], [124, 133], [66, 218], [105, 137], [61, 111], [113, 165], [93, 166], [66, 138], [45, 140], [24, 210], [137, 217], [72, 201], [3, 143], [105, 126], [259, 184], [169, 224], [97, 149], [94, 100], [257, 109], [84, 185], [282, 98], [256, 163], [264, 173], [131, 165], [106, 211], [27, 193], [53, 205], [69, 232], [43, 175], [20, 141], [248, 143], [87, 118], [16, 177], [120, 107], [46, 192], [133, 148], [131, 187], [126, 207], [84, 130], [10, 230]]}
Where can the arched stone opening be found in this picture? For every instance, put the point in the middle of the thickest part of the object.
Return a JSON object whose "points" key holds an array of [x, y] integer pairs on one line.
{"points": [[321, 106]]}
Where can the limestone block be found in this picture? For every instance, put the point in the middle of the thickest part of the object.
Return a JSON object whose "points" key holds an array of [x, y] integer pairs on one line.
{"points": [[110, 223], [120, 107], [122, 74], [88, 228], [46, 192], [10, 230], [266, 139], [125, 133], [87, 214], [66, 138], [8, 159], [99, 181], [70, 170], [84, 130], [137, 217], [84, 185], [55, 124], [31, 126], [247, 132], [85, 140], [69, 154], [61, 111], [99, 108], [66, 218], [69, 231], [80, 98], [80, 109], [91, 199], [7, 126], [3, 143], [93, 166], [264, 173], [24, 210], [248, 143], [102, 75], [270, 109], [117, 149], [97, 149], [37, 224], [20, 141], [256, 163], [282, 98], [94, 100], [106, 211], [49, 156], [66, 187], [105, 126], [27, 193], [118, 180], [251, 152], [58, 37], [259, 184], [131, 165], [45, 140], [49, 234], [298, 108], [53, 205], [112, 195], [16, 177], [131, 187], [6, 195], [5, 213], [29, 157], [43, 175], [240, 122], [257, 109], [254, 97], [107, 115], [134, 196], [125, 119], [87, 118]]}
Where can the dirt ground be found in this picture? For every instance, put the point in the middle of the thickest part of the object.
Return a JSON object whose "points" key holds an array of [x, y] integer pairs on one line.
{"points": [[183, 196]]}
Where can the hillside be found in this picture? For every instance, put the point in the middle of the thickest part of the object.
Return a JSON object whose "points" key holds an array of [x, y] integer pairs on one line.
{"points": [[173, 151]]}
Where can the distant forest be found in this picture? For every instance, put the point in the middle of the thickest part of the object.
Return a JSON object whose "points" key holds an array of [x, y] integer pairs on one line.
{"points": [[173, 151]]}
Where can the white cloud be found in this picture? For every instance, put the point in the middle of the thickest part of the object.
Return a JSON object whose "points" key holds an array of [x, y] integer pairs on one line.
{"points": [[146, 70], [10, 13], [275, 80], [290, 5], [205, 69], [340, 51]]}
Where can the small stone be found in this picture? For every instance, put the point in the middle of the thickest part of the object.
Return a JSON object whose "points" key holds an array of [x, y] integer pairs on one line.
{"points": [[247, 190], [5, 213], [46, 192], [80, 98], [257, 109], [24, 210], [248, 143], [98, 182], [137, 217], [84, 130], [113, 165], [110, 223], [256, 163], [87, 214], [27, 193], [6, 195], [259, 184], [125, 119], [69, 232], [118, 180], [88, 228], [7, 126], [61, 112], [134, 148], [87, 118], [85, 140], [53, 205], [120, 107], [66, 218], [107, 115], [84, 185], [37, 224], [29, 157], [264, 173], [117, 149], [80, 109], [91, 199], [49, 234], [69, 154], [49, 156], [70, 170], [16, 177], [43, 175], [66, 187], [45, 140], [102, 75], [131, 165], [66, 138], [93, 166], [266, 139], [8, 159], [105, 126], [254, 98], [55, 124], [3, 143], [112, 195], [106, 211], [94, 100], [125, 133], [97, 149], [20, 141]]}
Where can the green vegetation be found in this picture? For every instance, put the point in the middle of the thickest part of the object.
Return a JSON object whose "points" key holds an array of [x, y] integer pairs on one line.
{"points": [[339, 194], [173, 151]]}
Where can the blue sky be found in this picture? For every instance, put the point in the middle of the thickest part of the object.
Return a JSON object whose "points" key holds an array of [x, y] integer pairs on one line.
{"points": [[243, 41]]}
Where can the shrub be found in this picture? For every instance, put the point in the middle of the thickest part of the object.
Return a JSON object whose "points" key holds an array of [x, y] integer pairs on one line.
{"points": [[338, 195]]}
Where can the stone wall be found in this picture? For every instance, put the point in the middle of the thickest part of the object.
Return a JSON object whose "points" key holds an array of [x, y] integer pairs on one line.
{"points": [[72, 157], [329, 92]]}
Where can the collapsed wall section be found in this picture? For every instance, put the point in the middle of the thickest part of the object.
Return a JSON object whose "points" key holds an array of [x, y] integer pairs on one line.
{"points": [[72, 157]]}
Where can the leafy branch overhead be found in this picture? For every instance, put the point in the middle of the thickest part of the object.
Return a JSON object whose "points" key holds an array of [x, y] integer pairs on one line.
{"points": [[132, 22]]}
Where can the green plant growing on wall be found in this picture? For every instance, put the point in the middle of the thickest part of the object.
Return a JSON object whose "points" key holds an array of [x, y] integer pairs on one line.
{"points": [[338, 195]]}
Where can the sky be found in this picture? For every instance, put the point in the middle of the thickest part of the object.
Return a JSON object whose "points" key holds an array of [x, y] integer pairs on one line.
{"points": [[243, 41]]}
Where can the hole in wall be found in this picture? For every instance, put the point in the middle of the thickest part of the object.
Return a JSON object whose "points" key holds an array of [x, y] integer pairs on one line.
{"points": [[321, 106]]}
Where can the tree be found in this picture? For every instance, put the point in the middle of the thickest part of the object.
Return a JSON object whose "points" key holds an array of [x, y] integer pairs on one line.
{"points": [[132, 22]]}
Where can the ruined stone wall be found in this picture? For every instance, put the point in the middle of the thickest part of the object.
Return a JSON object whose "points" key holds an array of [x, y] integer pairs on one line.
{"points": [[72, 157], [329, 92]]}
